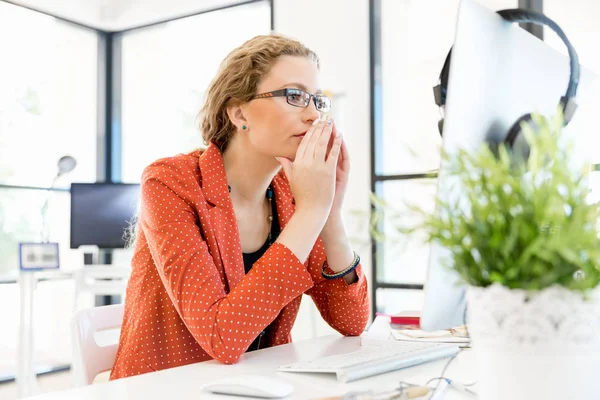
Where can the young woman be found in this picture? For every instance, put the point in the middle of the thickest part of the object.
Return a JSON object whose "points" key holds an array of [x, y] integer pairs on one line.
{"points": [[229, 238]]}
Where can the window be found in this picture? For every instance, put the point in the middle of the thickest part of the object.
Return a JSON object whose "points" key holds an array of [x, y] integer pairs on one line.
{"points": [[48, 99], [404, 259], [166, 69], [413, 39], [48, 106], [47, 110]]}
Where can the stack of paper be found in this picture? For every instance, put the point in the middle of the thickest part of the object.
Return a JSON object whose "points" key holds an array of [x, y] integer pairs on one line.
{"points": [[458, 336]]}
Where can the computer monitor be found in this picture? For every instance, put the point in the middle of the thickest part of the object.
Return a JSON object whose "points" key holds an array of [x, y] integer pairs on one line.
{"points": [[499, 72], [101, 213]]}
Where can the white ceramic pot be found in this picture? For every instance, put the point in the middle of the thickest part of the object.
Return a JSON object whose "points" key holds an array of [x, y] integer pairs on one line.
{"points": [[535, 346]]}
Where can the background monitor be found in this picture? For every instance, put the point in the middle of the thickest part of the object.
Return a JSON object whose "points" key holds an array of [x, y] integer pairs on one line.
{"points": [[499, 72], [101, 213]]}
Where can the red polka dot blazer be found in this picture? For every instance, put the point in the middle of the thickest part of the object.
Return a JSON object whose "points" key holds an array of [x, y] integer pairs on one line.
{"points": [[188, 298]]}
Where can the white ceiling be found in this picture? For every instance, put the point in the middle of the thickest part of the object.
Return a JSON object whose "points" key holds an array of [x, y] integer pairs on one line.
{"points": [[117, 15]]}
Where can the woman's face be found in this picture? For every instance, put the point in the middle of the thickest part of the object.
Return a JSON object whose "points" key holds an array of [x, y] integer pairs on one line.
{"points": [[275, 128]]}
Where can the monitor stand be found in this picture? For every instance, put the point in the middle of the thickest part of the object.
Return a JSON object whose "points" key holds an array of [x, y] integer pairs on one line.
{"points": [[92, 255]]}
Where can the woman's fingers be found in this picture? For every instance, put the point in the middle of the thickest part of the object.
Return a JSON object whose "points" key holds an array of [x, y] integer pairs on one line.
{"points": [[334, 154], [344, 156], [323, 141], [304, 142], [332, 138], [309, 152]]}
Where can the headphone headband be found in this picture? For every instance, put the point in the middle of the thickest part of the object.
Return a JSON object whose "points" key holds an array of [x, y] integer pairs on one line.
{"points": [[518, 15]]}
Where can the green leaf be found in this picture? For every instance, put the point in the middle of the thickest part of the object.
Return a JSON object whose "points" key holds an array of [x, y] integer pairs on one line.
{"points": [[529, 224]]}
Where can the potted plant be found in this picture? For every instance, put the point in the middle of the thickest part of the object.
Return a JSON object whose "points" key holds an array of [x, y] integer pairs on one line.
{"points": [[523, 236]]}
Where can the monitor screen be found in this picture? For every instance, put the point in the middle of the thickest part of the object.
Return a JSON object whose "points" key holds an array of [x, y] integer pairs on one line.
{"points": [[101, 213]]}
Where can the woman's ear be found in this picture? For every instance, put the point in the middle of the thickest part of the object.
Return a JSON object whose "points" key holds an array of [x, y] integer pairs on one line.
{"points": [[236, 116]]}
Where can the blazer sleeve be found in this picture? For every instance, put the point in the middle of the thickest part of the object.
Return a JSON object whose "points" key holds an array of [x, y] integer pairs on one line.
{"points": [[223, 324], [345, 307]]}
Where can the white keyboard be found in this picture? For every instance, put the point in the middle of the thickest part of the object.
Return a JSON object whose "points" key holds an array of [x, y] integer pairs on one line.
{"points": [[374, 359]]}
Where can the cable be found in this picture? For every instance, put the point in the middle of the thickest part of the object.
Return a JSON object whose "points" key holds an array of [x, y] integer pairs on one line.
{"points": [[464, 387], [439, 378]]}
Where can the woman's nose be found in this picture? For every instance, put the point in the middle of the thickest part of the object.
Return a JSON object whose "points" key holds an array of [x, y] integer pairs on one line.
{"points": [[311, 113]]}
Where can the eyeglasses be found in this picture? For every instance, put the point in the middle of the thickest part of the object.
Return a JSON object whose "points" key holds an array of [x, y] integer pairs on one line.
{"points": [[299, 98]]}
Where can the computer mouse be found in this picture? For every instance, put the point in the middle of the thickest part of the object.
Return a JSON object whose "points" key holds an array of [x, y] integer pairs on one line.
{"points": [[266, 387]]}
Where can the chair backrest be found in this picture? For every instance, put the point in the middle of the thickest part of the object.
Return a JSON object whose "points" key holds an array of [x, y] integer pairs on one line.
{"points": [[89, 357]]}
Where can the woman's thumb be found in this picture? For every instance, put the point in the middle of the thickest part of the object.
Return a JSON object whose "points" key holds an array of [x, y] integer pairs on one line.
{"points": [[286, 164]]}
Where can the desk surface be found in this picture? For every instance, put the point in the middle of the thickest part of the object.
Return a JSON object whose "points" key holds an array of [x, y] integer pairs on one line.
{"points": [[42, 275], [185, 382]]}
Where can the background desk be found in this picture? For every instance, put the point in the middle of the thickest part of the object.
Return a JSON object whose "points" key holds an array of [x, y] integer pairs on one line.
{"points": [[90, 279], [184, 383]]}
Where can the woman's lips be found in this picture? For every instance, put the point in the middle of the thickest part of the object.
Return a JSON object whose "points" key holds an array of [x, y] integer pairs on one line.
{"points": [[300, 135]]}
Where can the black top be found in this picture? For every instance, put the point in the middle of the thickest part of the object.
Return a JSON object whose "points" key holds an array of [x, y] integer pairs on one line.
{"points": [[251, 258]]}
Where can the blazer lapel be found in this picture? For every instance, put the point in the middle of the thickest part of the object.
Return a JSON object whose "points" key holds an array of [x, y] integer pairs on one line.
{"points": [[222, 216], [284, 199]]}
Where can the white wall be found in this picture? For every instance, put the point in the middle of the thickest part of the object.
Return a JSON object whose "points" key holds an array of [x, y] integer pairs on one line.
{"points": [[338, 31]]}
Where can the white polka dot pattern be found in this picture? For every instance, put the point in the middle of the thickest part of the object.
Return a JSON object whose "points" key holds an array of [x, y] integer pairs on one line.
{"points": [[188, 298]]}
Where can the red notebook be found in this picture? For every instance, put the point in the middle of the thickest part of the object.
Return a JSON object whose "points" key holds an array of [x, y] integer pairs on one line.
{"points": [[404, 318]]}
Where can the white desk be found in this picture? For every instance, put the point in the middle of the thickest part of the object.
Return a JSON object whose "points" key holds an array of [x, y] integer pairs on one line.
{"points": [[184, 383]]}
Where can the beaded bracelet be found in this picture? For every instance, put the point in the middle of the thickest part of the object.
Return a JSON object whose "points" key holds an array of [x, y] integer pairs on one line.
{"points": [[344, 272]]}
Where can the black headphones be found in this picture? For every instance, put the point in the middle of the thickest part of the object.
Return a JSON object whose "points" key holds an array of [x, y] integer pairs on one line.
{"points": [[567, 102]]}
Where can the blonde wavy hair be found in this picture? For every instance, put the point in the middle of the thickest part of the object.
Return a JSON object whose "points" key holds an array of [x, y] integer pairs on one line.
{"points": [[237, 79]]}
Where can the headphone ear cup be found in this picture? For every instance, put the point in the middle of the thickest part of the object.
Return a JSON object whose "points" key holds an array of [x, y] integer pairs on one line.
{"points": [[515, 140], [441, 127]]}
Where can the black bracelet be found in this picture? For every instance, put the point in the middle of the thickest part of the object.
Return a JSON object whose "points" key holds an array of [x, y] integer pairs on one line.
{"points": [[342, 273]]}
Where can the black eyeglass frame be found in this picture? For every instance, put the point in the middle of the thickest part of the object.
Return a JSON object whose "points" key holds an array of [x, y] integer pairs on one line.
{"points": [[287, 91]]}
